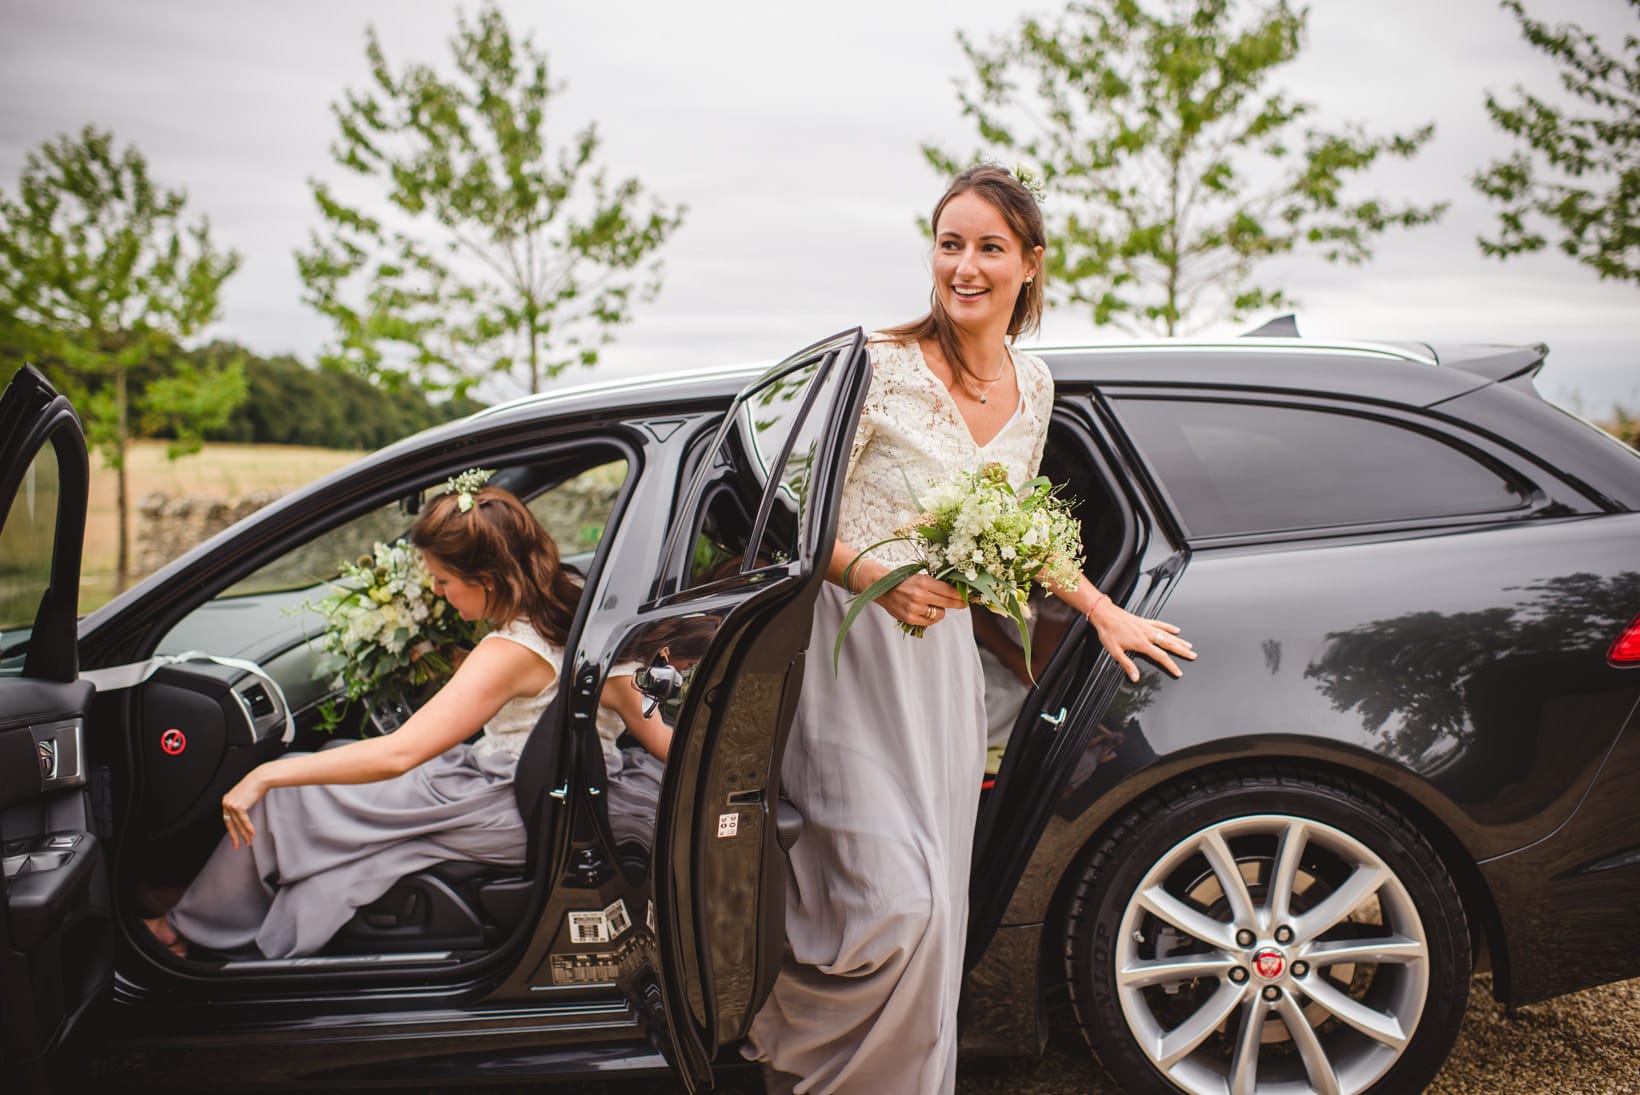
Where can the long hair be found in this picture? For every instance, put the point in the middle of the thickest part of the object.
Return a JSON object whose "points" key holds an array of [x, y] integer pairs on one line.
{"points": [[1024, 217], [500, 545]]}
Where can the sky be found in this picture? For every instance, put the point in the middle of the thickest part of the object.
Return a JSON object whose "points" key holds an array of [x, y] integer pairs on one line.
{"points": [[792, 134]]}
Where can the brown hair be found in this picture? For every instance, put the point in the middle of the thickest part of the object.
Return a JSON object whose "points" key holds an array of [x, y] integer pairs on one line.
{"points": [[500, 545], [1024, 218]]}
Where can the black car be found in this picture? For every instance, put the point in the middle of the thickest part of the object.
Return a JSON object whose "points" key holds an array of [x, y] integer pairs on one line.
{"points": [[1409, 749]]}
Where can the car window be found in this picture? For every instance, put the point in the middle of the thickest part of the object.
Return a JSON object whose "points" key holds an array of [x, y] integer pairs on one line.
{"points": [[1240, 467], [265, 610], [576, 510], [728, 538], [26, 546]]}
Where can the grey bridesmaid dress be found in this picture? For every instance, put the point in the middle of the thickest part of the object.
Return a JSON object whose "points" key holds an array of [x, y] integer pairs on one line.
{"points": [[322, 851]]}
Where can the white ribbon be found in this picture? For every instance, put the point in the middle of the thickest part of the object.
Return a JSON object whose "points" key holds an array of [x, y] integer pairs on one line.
{"points": [[115, 678]]}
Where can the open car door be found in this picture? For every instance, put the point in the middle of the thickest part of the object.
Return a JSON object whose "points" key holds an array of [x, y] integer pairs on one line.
{"points": [[56, 940], [723, 641]]}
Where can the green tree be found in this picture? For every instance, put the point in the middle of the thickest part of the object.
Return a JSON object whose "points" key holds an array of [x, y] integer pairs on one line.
{"points": [[101, 281], [493, 254], [1171, 169], [1576, 167]]}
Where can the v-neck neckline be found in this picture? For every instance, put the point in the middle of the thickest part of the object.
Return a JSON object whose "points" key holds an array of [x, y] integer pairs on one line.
{"points": [[951, 402]]}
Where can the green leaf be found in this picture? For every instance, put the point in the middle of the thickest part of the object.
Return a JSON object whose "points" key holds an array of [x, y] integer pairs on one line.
{"points": [[867, 596]]}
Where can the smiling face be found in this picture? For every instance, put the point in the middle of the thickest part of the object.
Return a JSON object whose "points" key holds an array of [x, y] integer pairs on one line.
{"points": [[468, 598], [979, 263]]}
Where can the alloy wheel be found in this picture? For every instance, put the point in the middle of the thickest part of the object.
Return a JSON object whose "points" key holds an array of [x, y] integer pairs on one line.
{"points": [[1268, 953]]}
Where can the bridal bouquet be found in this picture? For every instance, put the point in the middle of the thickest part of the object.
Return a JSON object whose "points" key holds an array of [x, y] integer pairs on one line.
{"points": [[386, 632], [988, 539]]}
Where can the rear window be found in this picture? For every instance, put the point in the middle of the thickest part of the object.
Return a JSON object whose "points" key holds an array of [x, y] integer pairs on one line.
{"points": [[1235, 468]]}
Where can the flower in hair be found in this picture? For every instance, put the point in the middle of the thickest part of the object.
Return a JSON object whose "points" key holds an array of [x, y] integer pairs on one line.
{"points": [[1031, 181], [467, 484]]}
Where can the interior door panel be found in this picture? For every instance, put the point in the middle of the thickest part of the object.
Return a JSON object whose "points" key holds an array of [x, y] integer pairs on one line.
{"points": [[56, 935]]}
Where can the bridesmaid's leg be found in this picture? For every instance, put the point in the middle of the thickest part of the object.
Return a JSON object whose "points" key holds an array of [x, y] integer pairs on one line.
{"points": [[225, 905]]}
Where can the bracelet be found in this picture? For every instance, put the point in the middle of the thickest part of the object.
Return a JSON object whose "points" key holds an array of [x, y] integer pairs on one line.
{"points": [[1096, 599]]}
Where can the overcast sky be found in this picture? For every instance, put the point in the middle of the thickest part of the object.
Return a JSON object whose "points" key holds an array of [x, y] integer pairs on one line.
{"points": [[791, 131]]}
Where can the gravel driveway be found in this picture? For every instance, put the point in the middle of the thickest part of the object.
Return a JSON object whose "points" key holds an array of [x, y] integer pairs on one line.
{"points": [[1584, 1044]]}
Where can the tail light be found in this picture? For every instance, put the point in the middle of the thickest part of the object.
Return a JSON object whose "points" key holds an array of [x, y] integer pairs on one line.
{"points": [[1626, 650]]}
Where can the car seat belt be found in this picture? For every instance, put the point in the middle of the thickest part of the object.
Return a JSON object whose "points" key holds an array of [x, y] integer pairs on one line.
{"points": [[116, 678]]}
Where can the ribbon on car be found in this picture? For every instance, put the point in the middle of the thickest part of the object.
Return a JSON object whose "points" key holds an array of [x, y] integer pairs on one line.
{"points": [[116, 678]]}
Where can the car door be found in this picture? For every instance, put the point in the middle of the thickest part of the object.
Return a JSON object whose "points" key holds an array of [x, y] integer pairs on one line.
{"points": [[56, 934], [722, 640]]}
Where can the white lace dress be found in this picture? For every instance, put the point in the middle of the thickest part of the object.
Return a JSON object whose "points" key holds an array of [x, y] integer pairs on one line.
{"points": [[884, 761], [323, 850]]}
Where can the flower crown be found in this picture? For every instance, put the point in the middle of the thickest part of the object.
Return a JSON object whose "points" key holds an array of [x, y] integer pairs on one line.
{"points": [[467, 484]]}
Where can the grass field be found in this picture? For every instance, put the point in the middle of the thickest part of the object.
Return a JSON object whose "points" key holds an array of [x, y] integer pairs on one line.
{"points": [[216, 471]]}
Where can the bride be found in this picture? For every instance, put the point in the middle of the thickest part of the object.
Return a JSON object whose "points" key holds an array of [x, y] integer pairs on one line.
{"points": [[886, 754]]}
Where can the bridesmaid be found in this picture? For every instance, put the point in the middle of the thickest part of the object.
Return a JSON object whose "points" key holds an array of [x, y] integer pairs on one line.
{"points": [[311, 837], [886, 753]]}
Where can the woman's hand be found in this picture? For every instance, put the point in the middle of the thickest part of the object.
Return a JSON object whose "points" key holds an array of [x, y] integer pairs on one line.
{"points": [[237, 803], [920, 600], [1121, 631]]}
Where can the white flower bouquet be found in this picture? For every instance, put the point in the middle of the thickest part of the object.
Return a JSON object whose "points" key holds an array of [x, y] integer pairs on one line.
{"points": [[387, 634], [990, 540]]}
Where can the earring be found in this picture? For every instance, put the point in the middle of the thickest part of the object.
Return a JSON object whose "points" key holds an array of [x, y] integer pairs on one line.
{"points": [[1028, 282]]}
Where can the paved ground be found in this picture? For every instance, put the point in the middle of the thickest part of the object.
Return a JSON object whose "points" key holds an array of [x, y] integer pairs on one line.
{"points": [[1584, 1044]]}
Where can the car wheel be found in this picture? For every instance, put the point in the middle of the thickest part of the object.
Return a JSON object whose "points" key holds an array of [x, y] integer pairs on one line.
{"points": [[1267, 930]]}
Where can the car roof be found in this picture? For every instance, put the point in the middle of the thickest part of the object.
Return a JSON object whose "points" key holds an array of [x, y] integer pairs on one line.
{"points": [[1418, 373]]}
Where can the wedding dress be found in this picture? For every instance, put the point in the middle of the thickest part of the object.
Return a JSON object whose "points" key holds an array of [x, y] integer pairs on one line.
{"points": [[884, 762]]}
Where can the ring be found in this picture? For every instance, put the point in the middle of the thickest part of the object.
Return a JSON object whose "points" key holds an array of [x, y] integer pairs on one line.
{"points": [[1158, 637], [930, 612], [226, 816]]}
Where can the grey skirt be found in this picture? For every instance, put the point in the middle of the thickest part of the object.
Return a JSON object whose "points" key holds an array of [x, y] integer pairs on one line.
{"points": [[323, 850], [884, 762]]}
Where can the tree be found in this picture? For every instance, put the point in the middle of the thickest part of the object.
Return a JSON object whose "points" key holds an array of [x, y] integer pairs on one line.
{"points": [[101, 281], [1170, 170], [495, 255], [1580, 172]]}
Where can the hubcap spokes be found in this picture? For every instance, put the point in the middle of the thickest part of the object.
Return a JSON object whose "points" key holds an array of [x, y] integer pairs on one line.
{"points": [[1249, 958]]}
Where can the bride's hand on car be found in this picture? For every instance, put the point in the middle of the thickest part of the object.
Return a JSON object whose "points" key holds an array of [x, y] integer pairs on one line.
{"points": [[1121, 632]]}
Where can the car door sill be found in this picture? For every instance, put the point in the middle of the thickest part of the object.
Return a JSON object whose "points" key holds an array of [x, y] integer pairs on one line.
{"points": [[338, 962]]}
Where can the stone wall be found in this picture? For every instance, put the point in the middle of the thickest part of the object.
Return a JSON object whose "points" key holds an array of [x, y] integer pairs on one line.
{"points": [[168, 526]]}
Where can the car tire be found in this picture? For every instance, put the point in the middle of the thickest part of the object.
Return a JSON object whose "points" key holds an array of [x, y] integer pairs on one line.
{"points": [[1167, 1010]]}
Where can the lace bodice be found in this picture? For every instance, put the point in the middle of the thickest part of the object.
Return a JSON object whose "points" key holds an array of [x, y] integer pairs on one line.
{"points": [[911, 435], [510, 727]]}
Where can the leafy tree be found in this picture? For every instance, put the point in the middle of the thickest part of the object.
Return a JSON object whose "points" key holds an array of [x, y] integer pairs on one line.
{"points": [[494, 254], [1171, 170], [1575, 167], [101, 280], [336, 410]]}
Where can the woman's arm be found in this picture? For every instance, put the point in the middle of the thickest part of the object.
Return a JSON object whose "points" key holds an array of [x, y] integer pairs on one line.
{"points": [[621, 697], [495, 672], [1121, 631]]}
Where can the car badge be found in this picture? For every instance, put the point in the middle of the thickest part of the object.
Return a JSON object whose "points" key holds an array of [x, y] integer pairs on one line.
{"points": [[1269, 963], [173, 741]]}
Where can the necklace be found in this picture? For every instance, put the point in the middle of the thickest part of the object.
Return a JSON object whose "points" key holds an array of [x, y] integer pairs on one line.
{"points": [[985, 392]]}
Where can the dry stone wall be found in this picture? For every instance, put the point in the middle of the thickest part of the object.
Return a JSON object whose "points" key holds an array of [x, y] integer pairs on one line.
{"points": [[168, 526]]}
